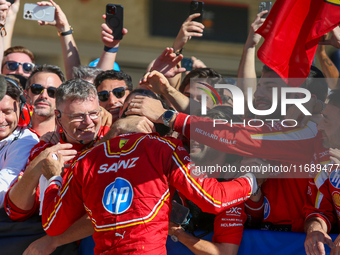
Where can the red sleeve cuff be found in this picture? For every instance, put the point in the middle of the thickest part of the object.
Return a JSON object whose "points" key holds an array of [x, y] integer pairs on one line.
{"points": [[318, 215], [17, 214], [254, 206], [182, 124]]}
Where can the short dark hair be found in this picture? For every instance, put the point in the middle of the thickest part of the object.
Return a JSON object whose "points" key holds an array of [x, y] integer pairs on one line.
{"points": [[161, 129], [267, 69], [86, 72], [45, 69], [113, 75], [334, 98], [12, 89], [201, 73]]}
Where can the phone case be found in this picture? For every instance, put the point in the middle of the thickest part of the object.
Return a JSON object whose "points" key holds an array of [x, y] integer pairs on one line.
{"points": [[187, 63], [179, 213], [114, 19], [11, 1], [36, 12], [266, 5], [197, 7]]}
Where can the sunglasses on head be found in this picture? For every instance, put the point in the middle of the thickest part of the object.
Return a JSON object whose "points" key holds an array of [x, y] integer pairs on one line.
{"points": [[117, 92], [37, 89], [13, 66]]}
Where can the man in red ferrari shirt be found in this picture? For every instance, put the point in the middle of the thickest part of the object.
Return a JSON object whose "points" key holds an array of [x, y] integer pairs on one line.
{"points": [[125, 190]]}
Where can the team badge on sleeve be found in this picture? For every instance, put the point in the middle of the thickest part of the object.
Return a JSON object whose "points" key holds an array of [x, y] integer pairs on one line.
{"points": [[266, 208], [334, 178], [118, 195]]}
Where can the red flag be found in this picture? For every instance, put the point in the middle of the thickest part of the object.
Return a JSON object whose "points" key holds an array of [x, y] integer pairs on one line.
{"points": [[292, 31]]}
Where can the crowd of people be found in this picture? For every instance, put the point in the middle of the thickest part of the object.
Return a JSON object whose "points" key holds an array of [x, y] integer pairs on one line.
{"points": [[90, 154]]}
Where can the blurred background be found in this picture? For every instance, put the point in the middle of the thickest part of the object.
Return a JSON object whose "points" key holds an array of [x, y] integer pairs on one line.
{"points": [[152, 25]]}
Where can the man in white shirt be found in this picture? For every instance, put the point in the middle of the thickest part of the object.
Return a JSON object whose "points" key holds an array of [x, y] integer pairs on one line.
{"points": [[15, 142]]}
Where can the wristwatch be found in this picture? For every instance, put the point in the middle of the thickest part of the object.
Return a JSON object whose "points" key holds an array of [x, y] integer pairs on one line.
{"points": [[167, 117]]}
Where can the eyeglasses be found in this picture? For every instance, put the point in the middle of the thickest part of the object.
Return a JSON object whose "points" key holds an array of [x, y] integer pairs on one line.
{"points": [[82, 116], [37, 89], [117, 92], [13, 66]]}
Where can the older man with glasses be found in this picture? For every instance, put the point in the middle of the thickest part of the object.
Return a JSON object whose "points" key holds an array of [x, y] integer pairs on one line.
{"points": [[113, 87], [78, 114]]}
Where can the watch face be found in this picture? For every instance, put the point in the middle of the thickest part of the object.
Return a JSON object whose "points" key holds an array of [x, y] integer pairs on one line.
{"points": [[168, 114]]}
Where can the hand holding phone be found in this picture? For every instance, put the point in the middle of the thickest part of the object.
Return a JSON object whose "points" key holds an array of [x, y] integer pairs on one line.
{"points": [[36, 12], [265, 6], [114, 19], [197, 7]]}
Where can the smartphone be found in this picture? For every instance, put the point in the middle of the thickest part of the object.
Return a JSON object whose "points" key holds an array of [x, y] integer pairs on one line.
{"points": [[187, 63], [197, 7], [36, 12], [267, 5], [179, 213], [11, 1], [114, 19]]}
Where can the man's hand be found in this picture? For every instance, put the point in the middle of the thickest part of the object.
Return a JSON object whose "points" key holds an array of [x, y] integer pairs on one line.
{"points": [[107, 37], [166, 63], [174, 229], [314, 243], [13, 10], [197, 63], [156, 82], [334, 155], [4, 6], [148, 107], [261, 176], [43, 246], [60, 20], [334, 40], [188, 29], [107, 118], [52, 166], [253, 38], [316, 230], [336, 249], [63, 149], [130, 124]]}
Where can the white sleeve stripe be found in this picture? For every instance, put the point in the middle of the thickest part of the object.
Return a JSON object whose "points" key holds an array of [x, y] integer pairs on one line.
{"points": [[55, 179], [184, 125], [253, 209]]}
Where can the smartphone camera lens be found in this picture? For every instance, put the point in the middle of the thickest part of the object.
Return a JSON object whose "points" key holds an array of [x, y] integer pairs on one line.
{"points": [[194, 5], [30, 16], [112, 10], [26, 16]]}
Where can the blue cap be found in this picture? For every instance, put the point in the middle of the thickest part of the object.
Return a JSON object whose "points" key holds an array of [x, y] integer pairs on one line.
{"points": [[94, 63]]}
